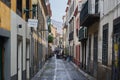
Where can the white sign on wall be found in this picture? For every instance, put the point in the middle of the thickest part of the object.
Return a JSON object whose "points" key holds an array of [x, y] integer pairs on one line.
{"points": [[32, 22]]}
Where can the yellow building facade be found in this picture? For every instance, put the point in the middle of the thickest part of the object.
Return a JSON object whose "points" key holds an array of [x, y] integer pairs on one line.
{"points": [[53, 31], [13, 28]]}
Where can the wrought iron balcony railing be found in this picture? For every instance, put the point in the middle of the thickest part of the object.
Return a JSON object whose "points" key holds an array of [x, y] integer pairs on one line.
{"points": [[87, 15]]}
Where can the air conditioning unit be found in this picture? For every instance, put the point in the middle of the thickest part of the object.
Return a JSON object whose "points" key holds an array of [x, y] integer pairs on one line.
{"points": [[83, 33]]}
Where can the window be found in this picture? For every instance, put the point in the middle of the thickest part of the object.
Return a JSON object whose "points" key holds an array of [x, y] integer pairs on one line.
{"points": [[41, 19], [77, 26], [7, 2], [105, 45], [71, 29], [96, 6], [28, 8], [71, 8], [19, 7], [71, 25]]}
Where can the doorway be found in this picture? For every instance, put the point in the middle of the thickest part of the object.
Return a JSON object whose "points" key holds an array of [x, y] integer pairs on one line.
{"points": [[89, 56], [116, 53], [1, 58], [95, 54], [19, 59], [84, 55], [28, 61]]}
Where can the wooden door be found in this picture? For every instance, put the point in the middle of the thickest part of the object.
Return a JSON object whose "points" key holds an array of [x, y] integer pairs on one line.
{"points": [[0, 60]]}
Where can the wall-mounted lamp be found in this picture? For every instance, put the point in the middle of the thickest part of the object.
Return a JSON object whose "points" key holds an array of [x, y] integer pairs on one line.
{"points": [[34, 5], [33, 10]]}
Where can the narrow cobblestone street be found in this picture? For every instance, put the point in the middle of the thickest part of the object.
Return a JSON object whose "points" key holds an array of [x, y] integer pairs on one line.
{"points": [[58, 69]]}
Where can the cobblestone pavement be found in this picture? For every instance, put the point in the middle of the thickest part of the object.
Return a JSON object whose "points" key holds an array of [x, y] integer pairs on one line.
{"points": [[58, 69]]}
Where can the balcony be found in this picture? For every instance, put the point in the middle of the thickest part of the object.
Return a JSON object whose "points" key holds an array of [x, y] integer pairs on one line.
{"points": [[71, 36], [83, 34], [88, 15]]}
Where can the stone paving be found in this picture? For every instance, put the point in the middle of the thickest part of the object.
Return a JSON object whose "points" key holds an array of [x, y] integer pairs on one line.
{"points": [[58, 69]]}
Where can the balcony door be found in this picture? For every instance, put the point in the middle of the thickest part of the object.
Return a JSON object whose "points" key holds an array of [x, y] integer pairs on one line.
{"points": [[96, 6]]}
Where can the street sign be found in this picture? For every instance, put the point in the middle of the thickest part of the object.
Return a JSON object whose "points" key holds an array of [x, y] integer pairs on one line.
{"points": [[32, 22]]}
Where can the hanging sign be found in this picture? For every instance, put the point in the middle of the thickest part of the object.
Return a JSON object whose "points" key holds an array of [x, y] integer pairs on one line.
{"points": [[32, 22]]}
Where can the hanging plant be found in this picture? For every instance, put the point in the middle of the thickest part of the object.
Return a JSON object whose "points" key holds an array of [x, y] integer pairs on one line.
{"points": [[50, 39]]}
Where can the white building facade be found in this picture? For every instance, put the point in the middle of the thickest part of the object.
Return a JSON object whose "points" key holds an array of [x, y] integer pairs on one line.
{"points": [[101, 47]]}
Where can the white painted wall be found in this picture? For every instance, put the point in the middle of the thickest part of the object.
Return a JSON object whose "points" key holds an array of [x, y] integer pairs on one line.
{"points": [[110, 12], [24, 32], [13, 44]]}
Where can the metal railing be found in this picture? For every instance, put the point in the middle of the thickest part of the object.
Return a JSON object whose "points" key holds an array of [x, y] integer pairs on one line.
{"points": [[84, 11]]}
